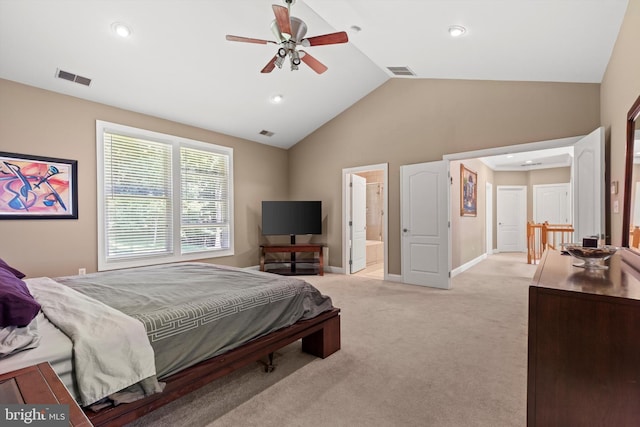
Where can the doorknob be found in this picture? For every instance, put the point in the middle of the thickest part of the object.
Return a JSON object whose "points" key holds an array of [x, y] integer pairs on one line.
{"points": [[404, 230]]}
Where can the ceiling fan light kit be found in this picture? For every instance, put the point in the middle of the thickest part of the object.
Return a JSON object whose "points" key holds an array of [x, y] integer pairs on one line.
{"points": [[290, 32]]}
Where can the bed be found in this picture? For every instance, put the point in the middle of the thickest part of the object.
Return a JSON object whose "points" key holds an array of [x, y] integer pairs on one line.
{"points": [[179, 326]]}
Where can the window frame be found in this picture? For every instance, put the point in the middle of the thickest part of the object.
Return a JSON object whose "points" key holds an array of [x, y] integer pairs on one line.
{"points": [[176, 143]]}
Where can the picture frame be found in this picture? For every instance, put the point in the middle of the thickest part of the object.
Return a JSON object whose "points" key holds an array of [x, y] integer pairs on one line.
{"points": [[36, 187], [468, 192]]}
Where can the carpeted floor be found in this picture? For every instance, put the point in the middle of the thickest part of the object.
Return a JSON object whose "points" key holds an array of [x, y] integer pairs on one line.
{"points": [[411, 356]]}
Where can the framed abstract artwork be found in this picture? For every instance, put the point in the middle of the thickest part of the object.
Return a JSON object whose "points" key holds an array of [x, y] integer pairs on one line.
{"points": [[34, 187], [468, 192]]}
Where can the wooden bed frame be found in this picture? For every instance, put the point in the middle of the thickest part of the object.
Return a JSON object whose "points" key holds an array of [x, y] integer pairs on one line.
{"points": [[320, 337]]}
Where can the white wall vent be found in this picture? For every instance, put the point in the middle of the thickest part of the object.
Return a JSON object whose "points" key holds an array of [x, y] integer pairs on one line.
{"points": [[401, 71], [65, 75], [266, 133]]}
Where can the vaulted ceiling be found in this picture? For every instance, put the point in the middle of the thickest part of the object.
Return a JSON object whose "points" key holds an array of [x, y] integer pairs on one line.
{"points": [[177, 65]]}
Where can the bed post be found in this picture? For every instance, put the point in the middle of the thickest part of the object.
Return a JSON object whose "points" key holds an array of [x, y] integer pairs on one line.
{"points": [[324, 342]]}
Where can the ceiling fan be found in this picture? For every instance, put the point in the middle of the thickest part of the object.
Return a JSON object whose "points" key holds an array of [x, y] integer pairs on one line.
{"points": [[290, 32]]}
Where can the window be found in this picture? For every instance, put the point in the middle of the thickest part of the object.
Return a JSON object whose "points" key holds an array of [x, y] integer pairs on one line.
{"points": [[161, 198]]}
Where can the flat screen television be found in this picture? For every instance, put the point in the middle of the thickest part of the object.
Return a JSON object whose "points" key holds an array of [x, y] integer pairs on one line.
{"points": [[291, 218]]}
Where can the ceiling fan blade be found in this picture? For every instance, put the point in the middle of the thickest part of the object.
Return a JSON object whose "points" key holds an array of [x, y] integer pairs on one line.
{"points": [[333, 38], [270, 65], [313, 63], [282, 18], [247, 40]]}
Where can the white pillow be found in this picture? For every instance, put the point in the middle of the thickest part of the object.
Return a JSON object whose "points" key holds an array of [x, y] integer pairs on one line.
{"points": [[14, 339]]}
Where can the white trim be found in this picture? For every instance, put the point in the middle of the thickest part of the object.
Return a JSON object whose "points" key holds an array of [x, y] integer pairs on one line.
{"points": [[519, 148], [345, 205], [468, 265], [393, 278], [489, 216], [486, 152], [337, 270]]}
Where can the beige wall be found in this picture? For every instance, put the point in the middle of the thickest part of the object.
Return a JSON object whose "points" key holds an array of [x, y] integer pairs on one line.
{"points": [[620, 88], [409, 121], [38, 122], [468, 233], [402, 122]]}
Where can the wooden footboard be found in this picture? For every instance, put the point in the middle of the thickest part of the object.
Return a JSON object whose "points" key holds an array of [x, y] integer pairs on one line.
{"points": [[320, 337]]}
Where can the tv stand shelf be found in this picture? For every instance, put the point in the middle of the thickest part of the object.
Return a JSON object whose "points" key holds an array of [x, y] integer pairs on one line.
{"points": [[292, 266]]}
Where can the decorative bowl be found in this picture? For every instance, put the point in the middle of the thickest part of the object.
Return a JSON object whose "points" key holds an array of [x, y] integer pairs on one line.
{"points": [[591, 257]]}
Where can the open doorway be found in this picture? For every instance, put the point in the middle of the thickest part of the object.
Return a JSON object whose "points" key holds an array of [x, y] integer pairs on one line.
{"points": [[575, 162], [365, 220]]}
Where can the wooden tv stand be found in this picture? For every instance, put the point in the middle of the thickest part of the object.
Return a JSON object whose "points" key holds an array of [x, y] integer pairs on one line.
{"points": [[292, 266]]}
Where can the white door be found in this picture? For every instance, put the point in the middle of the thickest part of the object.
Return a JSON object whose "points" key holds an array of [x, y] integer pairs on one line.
{"points": [[358, 223], [424, 204], [551, 203], [489, 217], [511, 216], [588, 185]]}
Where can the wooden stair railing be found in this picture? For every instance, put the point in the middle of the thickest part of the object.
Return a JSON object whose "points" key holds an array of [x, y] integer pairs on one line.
{"points": [[555, 235], [634, 237], [534, 242], [547, 236]]}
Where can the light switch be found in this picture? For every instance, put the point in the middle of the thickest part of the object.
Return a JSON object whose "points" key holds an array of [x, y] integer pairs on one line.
{"points": [[616, 208]]}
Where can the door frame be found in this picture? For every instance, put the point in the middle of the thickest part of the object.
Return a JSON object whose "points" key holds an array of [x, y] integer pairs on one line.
{"points": [[508, 149], [488, 218], [346, 210]]}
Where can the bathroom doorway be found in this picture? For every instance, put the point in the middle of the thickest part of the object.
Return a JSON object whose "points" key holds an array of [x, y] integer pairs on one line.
{"points": [[376, 220]]}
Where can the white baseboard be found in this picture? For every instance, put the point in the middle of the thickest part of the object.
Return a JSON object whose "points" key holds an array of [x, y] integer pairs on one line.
{"points": [[394, 278], [468, 265]]}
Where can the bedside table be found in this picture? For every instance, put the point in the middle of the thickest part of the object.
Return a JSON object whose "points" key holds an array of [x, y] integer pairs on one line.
{"points": [[39, 384]]}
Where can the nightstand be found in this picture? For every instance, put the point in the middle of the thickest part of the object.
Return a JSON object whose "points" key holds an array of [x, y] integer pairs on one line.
{"points": [[39, 384]]}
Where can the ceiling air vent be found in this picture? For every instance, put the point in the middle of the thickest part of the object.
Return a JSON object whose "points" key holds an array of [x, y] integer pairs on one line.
{"points": [[65, 75], [266, 133], [524, 165], [401, 71]]}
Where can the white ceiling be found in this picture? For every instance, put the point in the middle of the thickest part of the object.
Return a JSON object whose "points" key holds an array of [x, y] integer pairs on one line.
{"points": [[530, 160], [177, 64]]}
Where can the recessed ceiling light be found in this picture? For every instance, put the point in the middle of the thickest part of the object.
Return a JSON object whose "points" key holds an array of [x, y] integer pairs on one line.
{"points": [[121, 29], [457, 30], [277, 99], [529, 161], [509, 156]]}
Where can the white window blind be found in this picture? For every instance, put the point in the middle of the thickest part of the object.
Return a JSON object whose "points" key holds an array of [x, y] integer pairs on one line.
{"points": [[205, 210], [137, 197], [161, 198]]}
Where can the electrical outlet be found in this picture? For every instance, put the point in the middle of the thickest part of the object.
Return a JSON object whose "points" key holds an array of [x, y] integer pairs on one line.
{"points": [[82, 271]]}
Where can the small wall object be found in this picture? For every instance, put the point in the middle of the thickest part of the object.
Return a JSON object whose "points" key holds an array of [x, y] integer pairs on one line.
{"points": [[35, 187], [468, 192]]}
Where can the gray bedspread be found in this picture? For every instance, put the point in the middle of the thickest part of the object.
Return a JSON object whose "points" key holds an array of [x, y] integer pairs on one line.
{"points": [[193, 311]]}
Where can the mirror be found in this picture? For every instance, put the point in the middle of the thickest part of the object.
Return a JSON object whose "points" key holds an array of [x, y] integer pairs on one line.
{"points": [[631, 208]]}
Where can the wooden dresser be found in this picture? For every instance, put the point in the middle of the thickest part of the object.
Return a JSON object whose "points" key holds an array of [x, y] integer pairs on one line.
{"points": [[39, 384], [584, 343]]}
